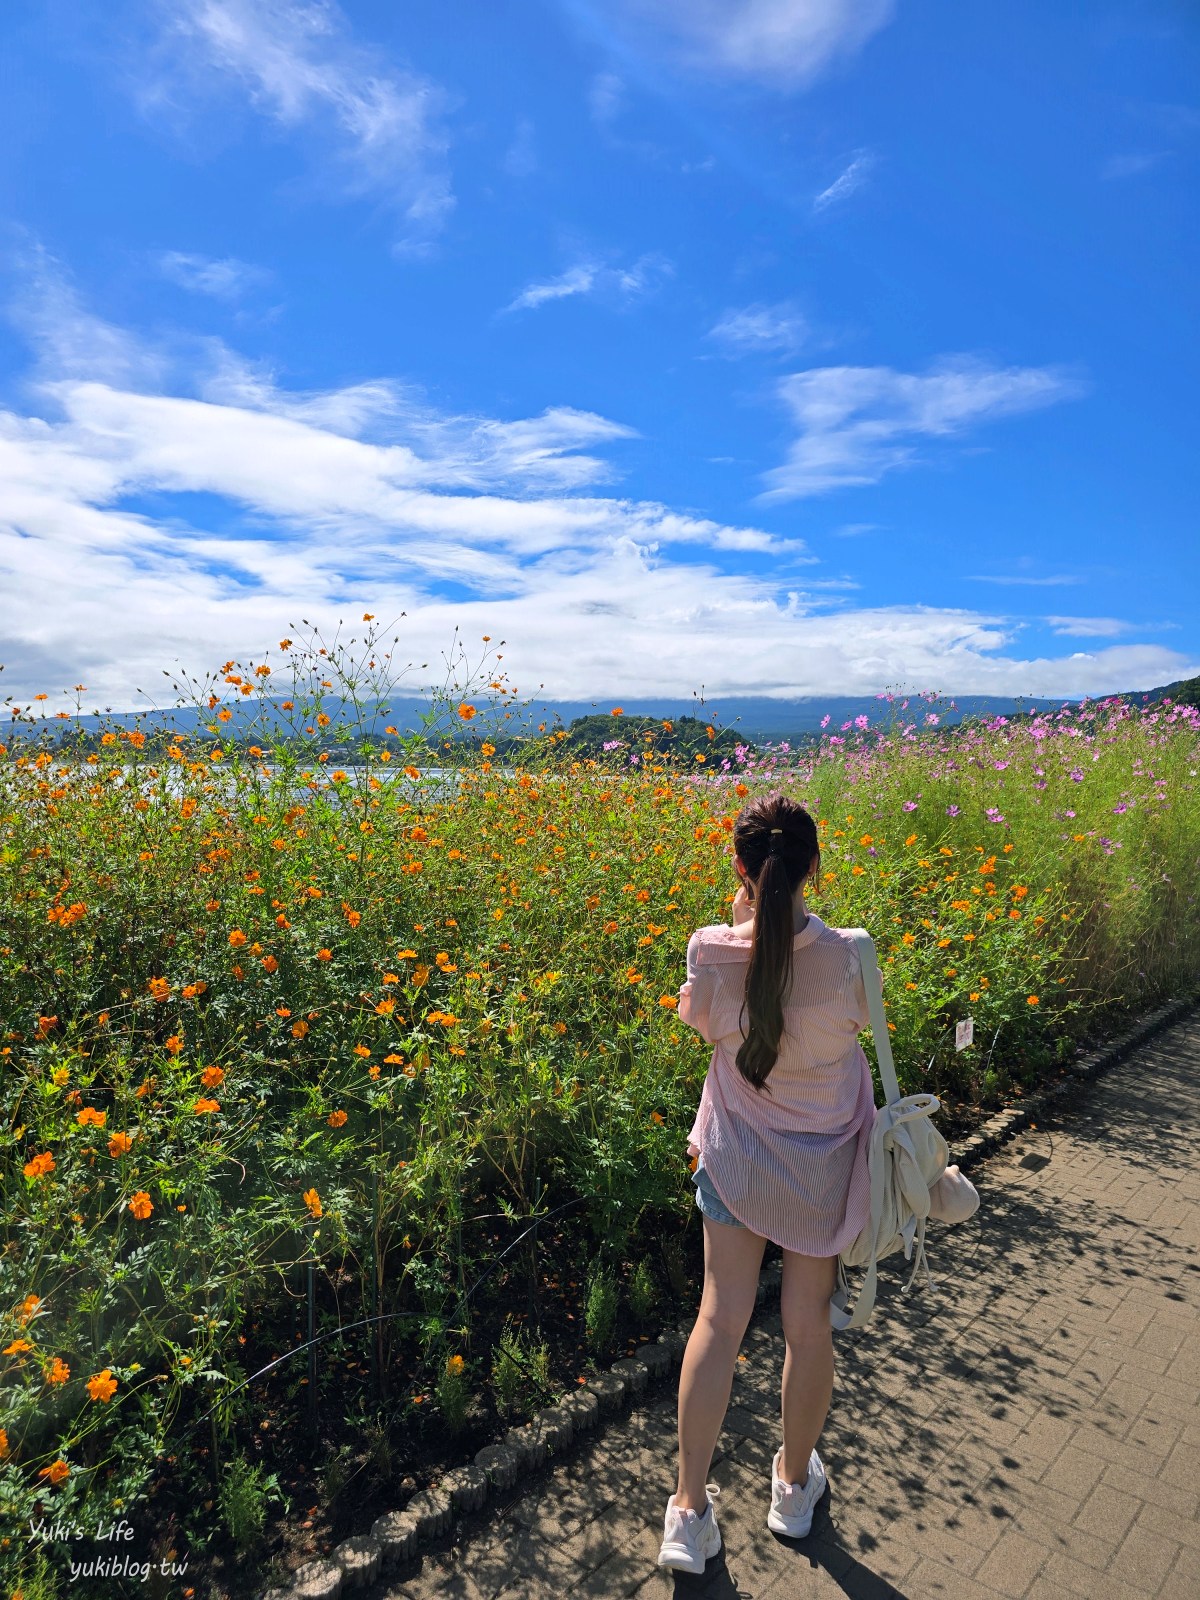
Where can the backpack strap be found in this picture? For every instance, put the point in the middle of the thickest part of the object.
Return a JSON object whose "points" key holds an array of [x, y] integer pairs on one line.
{"points": [[873, 984], [839, 1317]]}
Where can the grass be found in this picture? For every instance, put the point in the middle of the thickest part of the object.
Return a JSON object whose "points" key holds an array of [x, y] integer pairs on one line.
{"points": [[256, 1012]]}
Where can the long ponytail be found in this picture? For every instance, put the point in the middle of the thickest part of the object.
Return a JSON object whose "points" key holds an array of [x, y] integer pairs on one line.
{"points": [[776, 839]]}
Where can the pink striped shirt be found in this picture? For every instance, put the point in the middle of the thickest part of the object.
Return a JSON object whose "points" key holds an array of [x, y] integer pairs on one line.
{"points": [[791, 1164]]}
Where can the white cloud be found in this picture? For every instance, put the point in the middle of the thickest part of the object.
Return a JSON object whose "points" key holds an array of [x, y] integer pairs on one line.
{"points": [[299, 66], [858, 423], [363, 498], [225, 279], [622, 284], [1089, 627], [785, 42], [760, 328], [842, 187]]}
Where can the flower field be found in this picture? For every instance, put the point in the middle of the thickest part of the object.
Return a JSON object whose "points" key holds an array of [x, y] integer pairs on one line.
{"points": [[258, 1010]]}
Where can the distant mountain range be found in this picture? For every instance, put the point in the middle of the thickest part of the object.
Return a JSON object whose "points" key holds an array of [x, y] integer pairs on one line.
{"points": [[754, 717]]}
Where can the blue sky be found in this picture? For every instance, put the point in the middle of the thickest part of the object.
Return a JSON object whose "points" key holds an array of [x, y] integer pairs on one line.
{"points": [[777, 347]]}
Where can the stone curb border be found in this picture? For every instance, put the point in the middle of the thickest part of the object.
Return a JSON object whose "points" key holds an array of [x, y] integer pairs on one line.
{"points": [[394, 1537]]}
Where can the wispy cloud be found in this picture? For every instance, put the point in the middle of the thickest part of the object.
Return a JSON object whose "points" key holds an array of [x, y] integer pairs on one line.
{"points": [[621, 284], [1052, 582], [760, 328], [844, 186], [374, 123], [1089, 627], [605, 96], [785, 42], [1131, 166], [520, 159], [70, 341], [225, 279], [858, 423]]}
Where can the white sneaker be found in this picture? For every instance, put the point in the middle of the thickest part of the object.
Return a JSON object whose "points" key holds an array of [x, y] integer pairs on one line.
{"points": [[792, 1507], [689, 1541]]}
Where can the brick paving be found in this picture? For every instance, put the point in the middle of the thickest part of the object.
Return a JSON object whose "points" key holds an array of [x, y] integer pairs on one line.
{"points": [[1032, 1429]]}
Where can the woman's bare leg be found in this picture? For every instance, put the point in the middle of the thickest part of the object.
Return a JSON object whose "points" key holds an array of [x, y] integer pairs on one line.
{"points": [[732, 1262], [808, 1283]]}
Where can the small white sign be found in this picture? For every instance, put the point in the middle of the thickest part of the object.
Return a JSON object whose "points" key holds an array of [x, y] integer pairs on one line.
{"points": [[964, 1033]]}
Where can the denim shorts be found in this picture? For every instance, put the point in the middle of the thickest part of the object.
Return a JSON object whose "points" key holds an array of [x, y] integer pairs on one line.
{"points": [[709, 1201]]}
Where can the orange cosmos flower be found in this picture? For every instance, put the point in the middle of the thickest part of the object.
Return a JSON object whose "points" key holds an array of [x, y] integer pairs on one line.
{"points": [[385, 1008], [212, 1076], [58, 1371], [205, 1105], [270, 964], [40, 1165], [90, 1117], [28, 1307], [174, 1044], [120, 1144], [299, 1029], [44, 1027], [361, 1050], [56, 1471], [1031, 1000], [313, 1201], [159, 988], [140, 1205], [17, 1348], [669, 1000], [335, 1119], [103, 1386], [466, 712], [237, 938]]}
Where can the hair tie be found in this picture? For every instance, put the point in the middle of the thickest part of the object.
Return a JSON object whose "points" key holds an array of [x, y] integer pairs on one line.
{"points": [[776, 830]]}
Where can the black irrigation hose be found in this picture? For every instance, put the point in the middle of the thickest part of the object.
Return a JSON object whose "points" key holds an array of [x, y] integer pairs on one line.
{"points": [[387, 1317]]}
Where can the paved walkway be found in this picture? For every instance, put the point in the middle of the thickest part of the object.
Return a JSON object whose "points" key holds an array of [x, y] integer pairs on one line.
{"points": [[1032, 1430]]}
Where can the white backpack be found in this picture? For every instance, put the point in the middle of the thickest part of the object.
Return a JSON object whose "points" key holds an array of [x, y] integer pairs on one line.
{"points": [[910, 1180]]}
